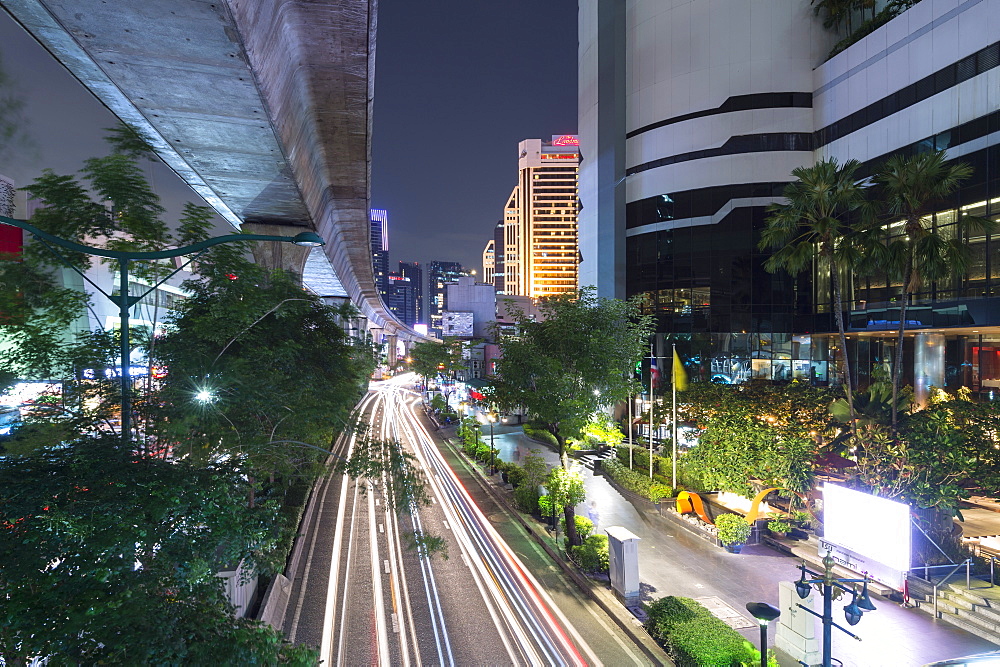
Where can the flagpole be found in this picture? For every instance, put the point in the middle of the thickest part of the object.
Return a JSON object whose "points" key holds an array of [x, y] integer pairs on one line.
{"points": [[673, 384], [652, 360]]}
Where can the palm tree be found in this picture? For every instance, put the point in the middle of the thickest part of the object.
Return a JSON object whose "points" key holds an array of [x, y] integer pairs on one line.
{"points": [[837, 13], [911, 188], [815, 221]]}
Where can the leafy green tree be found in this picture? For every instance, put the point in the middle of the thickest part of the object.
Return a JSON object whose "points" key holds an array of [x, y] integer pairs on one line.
{"points": [[534, 470], [111, 558], [230, 345], [911, 189], [602, 429], [570, 362], [816, 221], [431, 358]]}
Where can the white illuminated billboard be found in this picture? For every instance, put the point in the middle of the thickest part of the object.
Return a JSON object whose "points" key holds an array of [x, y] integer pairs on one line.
{"points": [[872, 527]]}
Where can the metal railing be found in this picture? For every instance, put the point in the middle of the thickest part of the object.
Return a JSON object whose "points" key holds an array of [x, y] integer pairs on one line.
{"points": [[967, 563], [937, 585]]}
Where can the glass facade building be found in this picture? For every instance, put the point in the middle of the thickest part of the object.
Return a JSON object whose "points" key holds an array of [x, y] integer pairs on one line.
{"points": [[684, 147]]}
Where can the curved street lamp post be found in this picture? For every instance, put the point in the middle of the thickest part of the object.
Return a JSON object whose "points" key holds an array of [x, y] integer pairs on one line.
{"points": [[124, 300]]}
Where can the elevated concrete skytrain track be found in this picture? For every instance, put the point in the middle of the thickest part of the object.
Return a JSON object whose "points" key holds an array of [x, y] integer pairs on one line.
{"points": [[264, 107]]}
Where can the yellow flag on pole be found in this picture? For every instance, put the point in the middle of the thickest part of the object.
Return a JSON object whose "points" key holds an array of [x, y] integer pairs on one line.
{"points": [[680, 376]]}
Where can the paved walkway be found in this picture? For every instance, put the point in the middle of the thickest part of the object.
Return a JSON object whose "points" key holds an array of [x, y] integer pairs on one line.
{"points": [[675, 562]]}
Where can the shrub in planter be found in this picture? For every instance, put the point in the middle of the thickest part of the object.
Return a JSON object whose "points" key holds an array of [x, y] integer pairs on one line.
{"points": [[526, 499], [732, 529], [694, 637], [515, 474], [535, 432], [779, 526], [545, 505], [657, 492], [592, 555], [483, 452]]}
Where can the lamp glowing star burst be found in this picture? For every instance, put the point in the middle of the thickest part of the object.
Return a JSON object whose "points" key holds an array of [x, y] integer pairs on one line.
{"points": [[204, 396]]}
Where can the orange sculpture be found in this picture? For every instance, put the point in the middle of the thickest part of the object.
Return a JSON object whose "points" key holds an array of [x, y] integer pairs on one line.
{"points": [[688, 502]]}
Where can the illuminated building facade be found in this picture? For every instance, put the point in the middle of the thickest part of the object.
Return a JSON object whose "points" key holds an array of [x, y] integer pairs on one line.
{"points": [[439, 276], [540, 253], [489, 262], [402, 298], [379, 219], [694, 113]]}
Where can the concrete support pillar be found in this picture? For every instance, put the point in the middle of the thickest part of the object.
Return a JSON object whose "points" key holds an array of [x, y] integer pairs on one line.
{"points": [[928, 365], [272, 255], [390, 350]]}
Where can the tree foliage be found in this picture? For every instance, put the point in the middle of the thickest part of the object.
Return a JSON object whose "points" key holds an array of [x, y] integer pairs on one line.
{"points": [[570, 362], [230, 339], [565, 487], [755, 433], [816, 221], [911, 188], [111, 557], [201, 485]]}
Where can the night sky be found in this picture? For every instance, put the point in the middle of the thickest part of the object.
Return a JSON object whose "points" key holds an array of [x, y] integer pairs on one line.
{"points": [[457, 85]]}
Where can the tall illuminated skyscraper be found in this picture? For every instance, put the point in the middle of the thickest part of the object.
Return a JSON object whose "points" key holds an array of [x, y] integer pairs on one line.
{"points": [[380, 250], [540, 253]]}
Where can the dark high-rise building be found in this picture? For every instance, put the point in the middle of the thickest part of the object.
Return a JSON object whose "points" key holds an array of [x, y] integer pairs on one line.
{"points": [[498, 257], [402, 298], [415, 273], [380, 250], [439, 275]]}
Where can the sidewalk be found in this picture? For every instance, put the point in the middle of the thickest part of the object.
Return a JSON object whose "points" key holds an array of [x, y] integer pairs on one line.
{"points": [[675, 562]]}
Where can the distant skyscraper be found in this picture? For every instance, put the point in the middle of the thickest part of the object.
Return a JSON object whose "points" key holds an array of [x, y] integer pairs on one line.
{"points": [[540, 243], [402, 299], [489, 261], [380, 250], [415, 273], [439, 275], [498, 257]]}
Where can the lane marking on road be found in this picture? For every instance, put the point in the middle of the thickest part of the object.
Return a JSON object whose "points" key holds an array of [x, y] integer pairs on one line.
{"points": [[381, 528], [386, 561], [446, 526]]}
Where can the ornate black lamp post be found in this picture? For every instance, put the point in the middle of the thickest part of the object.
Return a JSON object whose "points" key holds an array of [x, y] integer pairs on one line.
{"points": [[832, 589], [124, 300]]}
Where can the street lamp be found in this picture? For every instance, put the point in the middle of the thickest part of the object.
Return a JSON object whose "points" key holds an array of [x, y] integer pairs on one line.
{"points": [[493, 451], [124, 300], [764, 613], [832, 589]]}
